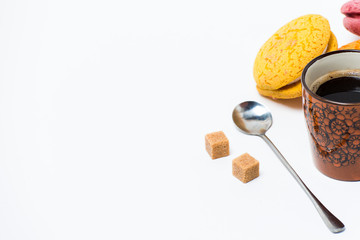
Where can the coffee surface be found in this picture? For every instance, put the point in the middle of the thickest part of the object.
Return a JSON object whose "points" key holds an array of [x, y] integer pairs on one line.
{"points": [[340, 86]]}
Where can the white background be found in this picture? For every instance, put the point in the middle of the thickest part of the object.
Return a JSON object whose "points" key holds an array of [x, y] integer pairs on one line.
{"points": [[104, 106]]}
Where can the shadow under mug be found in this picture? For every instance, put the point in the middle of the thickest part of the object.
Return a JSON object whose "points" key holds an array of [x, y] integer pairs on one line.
{"points": [[334, 127]]}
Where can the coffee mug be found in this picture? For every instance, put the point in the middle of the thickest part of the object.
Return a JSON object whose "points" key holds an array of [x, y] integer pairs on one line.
{"points": [[332, 114]]}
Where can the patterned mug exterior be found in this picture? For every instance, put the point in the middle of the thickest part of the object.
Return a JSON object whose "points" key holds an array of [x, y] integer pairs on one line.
{"points": [[334, 127]]}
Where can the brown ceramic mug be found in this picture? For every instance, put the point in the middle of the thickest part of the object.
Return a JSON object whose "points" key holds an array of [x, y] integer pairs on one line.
{"points": [[333, 126]]}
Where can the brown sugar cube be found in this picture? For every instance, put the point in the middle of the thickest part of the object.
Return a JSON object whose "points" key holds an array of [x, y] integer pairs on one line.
{"points": [[217, 144], [245, 168]]}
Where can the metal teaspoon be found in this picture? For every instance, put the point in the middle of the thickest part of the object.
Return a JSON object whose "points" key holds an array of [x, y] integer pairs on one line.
{"points": [[253, 118]]}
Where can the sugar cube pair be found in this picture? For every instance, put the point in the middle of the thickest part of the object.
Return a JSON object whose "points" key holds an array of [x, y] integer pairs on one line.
{"points": [[244, 167]]}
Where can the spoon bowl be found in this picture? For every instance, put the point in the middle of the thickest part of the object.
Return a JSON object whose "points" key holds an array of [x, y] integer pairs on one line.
{"points": [[252, 118]]}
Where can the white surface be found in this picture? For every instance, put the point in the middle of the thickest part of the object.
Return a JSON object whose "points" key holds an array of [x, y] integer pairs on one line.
{"points": [[104, 106]]}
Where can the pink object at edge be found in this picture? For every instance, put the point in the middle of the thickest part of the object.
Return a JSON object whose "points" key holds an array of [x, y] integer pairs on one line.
{"points": [[352, 12], [352, 7]]}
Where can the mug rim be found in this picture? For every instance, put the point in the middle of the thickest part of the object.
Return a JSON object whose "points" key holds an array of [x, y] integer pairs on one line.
{"points": [[304, 85]]}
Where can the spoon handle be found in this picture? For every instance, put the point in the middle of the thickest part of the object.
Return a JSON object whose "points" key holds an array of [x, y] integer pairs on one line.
{"points": [[332, 222]]}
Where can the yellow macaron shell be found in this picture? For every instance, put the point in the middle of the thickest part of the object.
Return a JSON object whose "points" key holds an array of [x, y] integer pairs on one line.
{"points": [[353, 45], [293, 90], [333, 44], [285, 54], [288, 92]]}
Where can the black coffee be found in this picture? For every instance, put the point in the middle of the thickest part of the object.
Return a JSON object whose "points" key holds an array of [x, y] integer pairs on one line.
{"points": [[341, 89], [340, 86]]}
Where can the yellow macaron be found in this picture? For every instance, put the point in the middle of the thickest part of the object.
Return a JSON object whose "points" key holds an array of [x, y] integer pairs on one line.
{"points": [[280, 61], [353, 45], [293, 90], [333, 43], [290, 91]]}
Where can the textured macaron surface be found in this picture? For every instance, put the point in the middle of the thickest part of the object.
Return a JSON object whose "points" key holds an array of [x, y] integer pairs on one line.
{"points": [[294, 90], [352, 25], [353, 45], [287, 92], [333, 43], [351, 10], [284, 55]]}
